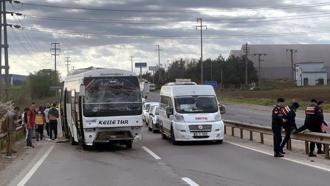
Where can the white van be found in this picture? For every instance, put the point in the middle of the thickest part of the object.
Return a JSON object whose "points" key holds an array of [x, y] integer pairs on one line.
{"points": [[190, 113]]}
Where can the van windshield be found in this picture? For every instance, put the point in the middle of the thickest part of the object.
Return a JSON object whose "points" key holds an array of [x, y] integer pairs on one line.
{"points": [[112, 96], [196, 104]]}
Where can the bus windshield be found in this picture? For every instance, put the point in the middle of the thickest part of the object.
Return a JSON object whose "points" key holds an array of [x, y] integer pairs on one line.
{"points": [[196, 104], [112, 96]]}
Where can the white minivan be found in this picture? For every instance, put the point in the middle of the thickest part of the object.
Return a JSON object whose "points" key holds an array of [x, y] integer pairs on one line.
{"points": [[190, 113]]}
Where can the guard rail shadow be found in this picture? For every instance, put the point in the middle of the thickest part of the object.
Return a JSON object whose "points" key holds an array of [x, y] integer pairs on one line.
{"points": [[263, 130]]}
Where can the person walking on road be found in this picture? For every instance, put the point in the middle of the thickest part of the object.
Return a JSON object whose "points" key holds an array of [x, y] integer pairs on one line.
{"points": [[313, 121], [324, 124], [40, 122], [277, 122], [31, 118], [289, 125], [53, 115], [9, 125]]}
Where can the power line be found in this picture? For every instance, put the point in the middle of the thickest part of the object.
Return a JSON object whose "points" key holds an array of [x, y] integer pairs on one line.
{"points": [[169, 10]]}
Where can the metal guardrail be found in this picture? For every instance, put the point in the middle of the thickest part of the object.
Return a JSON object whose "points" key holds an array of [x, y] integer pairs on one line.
{"points": [[3, 135], [263, 130]]}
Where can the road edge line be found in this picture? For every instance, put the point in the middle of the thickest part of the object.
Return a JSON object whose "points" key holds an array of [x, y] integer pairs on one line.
{"points": [[27, 177], [151, 153], [288, 159], [189, 181]]}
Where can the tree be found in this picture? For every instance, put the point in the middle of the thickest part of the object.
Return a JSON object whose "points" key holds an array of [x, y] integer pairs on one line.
{"points": [[39, 84]]}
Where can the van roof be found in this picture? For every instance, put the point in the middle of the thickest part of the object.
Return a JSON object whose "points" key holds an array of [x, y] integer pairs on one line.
{"points": [[187, 90], [99, 72]]}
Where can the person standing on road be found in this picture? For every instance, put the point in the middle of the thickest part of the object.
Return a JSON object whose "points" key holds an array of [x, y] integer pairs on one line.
{"points": [[47, 120], [53, 115], [313, 122], [10, 123], [324, 124], [277, 122], [24, 121], [40, 122], [31, 118], [289, 125]]}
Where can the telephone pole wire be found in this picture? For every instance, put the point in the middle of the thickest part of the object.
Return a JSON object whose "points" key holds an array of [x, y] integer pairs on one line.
{"points": [[292, 51], [67, 64], [201, 27], [55, 52], [259, 65]]}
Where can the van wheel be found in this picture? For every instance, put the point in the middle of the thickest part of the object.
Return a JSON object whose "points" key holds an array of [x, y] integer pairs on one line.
{"points": [[173, 141], [129, 144]]}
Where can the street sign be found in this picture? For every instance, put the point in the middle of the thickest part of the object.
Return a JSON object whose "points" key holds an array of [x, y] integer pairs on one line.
{"points": [[153, 68], [141, 65], [212, 83]]}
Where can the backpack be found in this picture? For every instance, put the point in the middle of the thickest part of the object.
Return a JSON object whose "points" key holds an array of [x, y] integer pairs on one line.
{"points": [[54, 112]]}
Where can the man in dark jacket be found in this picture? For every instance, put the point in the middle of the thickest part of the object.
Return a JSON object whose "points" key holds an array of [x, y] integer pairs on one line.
{"points": [[277, 122], [313, 122], [289, 125]]}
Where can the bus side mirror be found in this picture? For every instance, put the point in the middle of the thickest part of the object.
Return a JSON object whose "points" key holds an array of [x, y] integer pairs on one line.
{"points": [[82, 91]]}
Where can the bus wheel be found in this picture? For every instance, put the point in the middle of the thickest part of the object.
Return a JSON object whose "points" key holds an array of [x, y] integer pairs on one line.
{"points": [[72, 140], [129, 144]]}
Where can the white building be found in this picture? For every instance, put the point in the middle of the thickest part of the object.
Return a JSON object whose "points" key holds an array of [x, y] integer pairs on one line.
{"points": [[311, 74]]}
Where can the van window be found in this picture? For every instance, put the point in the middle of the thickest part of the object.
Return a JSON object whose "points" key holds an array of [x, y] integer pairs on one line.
{"points": [[196, 104], [165, 102]]}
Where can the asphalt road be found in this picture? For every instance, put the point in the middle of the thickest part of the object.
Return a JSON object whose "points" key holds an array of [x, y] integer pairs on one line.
{"points": [[206, 164]]}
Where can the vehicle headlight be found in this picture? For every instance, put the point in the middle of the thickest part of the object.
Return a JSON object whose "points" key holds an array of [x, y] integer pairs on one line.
{"points": [[179, 117], [217, 117]]}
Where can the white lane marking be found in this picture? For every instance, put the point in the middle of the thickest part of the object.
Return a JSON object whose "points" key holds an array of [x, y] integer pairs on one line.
{"points": [[189, 181], [288, 159], [151, 153], [35, 167]]}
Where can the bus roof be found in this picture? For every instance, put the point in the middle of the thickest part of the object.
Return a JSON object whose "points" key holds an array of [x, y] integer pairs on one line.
{"points": [[187, 90], [98, 72]]}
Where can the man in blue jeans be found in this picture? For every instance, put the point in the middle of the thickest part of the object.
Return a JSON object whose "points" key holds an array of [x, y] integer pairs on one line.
{"points": [[31, 117]]}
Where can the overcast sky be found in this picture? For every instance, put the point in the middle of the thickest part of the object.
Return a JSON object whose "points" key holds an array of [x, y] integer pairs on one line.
{"points": [[105, 33]]}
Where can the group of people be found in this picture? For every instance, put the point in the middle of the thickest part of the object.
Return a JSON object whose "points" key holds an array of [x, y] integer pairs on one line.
{"points": [[35, 120], [284, 117]]}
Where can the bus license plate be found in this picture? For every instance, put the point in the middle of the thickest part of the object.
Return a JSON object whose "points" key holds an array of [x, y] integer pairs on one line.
{"points": [[200, 134]]}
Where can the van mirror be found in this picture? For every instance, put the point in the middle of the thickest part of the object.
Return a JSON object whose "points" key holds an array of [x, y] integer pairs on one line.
{"points": [[169, 111], [82, 91]]}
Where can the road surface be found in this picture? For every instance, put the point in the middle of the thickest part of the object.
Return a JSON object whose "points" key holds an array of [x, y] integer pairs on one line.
{"points": [[157, 162]]}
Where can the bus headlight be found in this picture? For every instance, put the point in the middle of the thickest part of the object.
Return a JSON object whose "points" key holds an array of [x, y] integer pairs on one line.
{"points": [[179, 117]]}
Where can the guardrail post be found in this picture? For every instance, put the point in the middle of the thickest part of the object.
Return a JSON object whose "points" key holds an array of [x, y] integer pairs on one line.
{"points": [[251, 135], [241, 132], [289, 145], [262, 138], [327, 153], [233, 131], [306, 147]]}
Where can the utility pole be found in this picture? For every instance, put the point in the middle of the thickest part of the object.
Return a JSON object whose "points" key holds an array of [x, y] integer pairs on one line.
{"points": [[67, 64], [158, 51], [246, 53], [132, 63], [201, 27], [259, 65], [292, 51], [4, 45], [55, 52]]}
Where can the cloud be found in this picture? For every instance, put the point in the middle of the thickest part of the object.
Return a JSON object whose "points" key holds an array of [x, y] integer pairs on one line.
{"points": [[106, 33]]}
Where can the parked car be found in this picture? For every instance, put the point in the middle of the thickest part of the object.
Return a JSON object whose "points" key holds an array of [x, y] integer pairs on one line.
{"points": [[152, 87], [146, 106], [154, 119], [147, 111]]}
